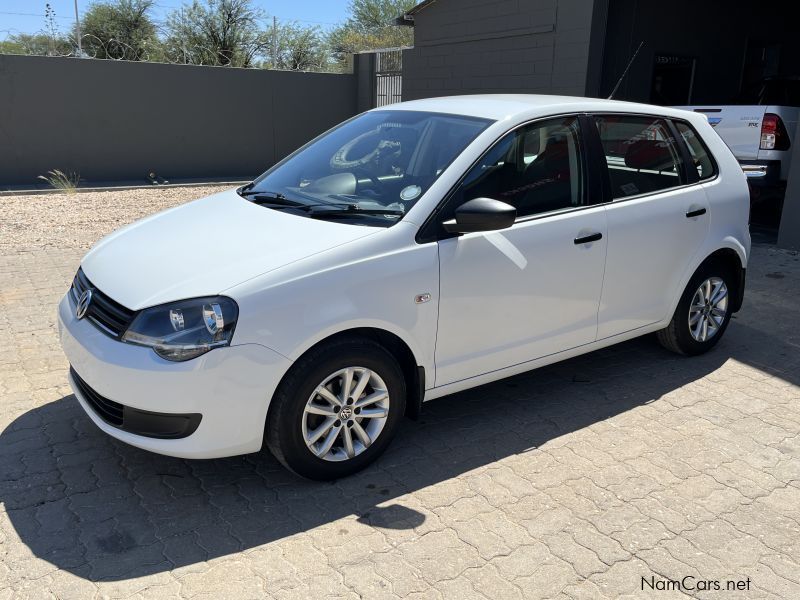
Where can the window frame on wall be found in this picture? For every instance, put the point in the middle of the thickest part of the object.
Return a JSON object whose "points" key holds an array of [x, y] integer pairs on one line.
{"points": [[662, 62], [687, 176]]}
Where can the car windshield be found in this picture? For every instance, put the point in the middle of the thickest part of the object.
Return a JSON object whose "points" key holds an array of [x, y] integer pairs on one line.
{"points": [[379, 161]]}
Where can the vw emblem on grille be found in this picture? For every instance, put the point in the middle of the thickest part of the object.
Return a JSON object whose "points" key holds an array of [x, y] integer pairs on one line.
{"points": [[83, 303]]}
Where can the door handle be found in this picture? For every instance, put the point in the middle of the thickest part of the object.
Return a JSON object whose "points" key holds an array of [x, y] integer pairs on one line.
{"points": [[588, 238], [695, 213]]}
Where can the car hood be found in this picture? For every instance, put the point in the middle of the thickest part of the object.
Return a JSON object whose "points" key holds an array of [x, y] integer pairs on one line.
{"points": [[204, 247]]}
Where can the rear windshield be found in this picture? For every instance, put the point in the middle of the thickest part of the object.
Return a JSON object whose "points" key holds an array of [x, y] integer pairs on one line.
{"points": [[774, 92], [784, 92]]}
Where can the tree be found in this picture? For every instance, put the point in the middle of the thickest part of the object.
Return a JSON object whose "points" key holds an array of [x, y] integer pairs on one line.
{"points": [[299, 49], [371, 26], [119, 29], [40, 44], [217, 32], [48, 42]]}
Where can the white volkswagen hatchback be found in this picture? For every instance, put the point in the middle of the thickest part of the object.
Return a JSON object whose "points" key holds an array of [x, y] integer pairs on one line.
{"points": [[414, 251]]}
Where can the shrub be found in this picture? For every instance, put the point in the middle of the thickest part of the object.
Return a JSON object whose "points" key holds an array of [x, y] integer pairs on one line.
{"points": [[61, 180]]}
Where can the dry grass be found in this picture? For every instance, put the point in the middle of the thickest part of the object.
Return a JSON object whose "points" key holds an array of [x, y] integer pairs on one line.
{"points": [[66, 181]]}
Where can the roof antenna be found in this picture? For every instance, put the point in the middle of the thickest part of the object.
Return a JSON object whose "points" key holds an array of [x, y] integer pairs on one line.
{"points": [[625, 72]]}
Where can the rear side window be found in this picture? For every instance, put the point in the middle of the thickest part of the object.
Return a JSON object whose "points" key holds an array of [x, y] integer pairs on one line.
{"points": [[700, 155], [641, 155]]}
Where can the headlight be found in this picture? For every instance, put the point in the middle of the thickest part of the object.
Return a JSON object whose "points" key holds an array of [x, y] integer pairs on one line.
{"points": [[184, 330]]}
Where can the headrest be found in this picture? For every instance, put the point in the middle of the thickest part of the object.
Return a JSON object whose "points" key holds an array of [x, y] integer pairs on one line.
{"points": [[556, 145], [653, 155]]}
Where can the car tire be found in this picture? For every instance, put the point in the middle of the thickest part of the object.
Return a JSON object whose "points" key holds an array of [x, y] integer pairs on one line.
{"points": [[299, 412], [697, 314]]}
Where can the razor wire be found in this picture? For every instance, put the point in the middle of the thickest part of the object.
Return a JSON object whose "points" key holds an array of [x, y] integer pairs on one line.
{"points": [[119, 50]]}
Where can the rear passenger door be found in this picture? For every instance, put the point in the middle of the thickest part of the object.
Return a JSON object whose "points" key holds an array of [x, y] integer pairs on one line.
{"points": [[657, 219]]}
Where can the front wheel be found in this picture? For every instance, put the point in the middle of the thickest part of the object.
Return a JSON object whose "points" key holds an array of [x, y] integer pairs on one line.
{"points": [[337, 409], [703, 312]]}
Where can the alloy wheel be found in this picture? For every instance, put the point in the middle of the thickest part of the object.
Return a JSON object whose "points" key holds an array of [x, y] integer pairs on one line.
{"points": [[708, 309], [345, 414]]}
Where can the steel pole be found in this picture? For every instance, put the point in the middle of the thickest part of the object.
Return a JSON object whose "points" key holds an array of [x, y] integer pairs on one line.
{"points": [[78, 30]]}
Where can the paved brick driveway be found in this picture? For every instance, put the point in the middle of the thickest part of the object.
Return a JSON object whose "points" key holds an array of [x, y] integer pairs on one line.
{"points": [[573, 481]]}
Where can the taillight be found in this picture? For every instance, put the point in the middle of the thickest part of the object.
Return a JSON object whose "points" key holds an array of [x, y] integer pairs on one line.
{"points": [[769, 126], [773, 133]]}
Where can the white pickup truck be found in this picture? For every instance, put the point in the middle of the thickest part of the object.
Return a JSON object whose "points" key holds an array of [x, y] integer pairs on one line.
{"points": [[760, 135]]}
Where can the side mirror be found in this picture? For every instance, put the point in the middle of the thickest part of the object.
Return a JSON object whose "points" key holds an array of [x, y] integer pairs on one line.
{"points": [[481, 214]]}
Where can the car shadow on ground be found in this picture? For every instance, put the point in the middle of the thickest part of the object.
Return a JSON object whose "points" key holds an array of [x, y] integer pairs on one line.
{"points": [[106, 511]]}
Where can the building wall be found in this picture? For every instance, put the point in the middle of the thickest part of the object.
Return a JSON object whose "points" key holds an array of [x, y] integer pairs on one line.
{"points": [[499, 46], [115, 121], [714, 32]]}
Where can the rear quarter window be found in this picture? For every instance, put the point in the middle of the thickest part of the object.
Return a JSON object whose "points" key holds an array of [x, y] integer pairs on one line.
{"points": [[701, 157]]}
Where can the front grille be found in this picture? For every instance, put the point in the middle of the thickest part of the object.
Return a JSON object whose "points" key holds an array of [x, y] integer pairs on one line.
{"points": [[109, 316], [111, 412]]}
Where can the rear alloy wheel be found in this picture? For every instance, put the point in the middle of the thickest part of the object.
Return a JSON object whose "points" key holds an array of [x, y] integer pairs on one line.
{"points": [[337, 409], [708, 309], [703, 312]]}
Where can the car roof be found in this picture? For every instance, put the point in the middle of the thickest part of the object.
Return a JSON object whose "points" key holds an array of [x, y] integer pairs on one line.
{"points": [[510, 106]]}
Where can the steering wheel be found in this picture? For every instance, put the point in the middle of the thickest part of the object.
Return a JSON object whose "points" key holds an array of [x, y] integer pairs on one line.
{"points": [[379, 150], [342, 160], [364, 171]]}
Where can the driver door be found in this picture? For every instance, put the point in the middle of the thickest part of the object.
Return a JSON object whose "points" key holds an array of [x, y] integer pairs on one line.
{"points": [[515, 295]]}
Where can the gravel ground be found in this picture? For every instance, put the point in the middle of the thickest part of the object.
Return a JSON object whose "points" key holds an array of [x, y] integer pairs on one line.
{"points": [[79, 220], [603, 476]]}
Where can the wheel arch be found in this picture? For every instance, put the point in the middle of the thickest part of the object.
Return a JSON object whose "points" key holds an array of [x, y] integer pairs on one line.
{"points": [[414, 372], [734, 257]]}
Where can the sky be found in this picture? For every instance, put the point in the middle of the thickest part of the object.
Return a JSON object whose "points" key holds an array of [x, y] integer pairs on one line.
{"points": [[27, 16]]}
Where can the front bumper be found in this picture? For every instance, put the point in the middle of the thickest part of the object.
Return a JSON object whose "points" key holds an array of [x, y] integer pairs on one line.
{"points": [[230, 388]]}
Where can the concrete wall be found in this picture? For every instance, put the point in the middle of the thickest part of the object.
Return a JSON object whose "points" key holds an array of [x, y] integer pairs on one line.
{"points": [[715, 32], [499, 46], [789, 233], [364, 69], [113, 121]]}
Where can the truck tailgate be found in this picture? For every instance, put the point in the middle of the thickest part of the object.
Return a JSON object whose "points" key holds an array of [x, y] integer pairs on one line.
{"points": [[738, 126]]}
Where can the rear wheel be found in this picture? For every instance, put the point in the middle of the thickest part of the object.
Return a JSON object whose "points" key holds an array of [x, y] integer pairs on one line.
{"points": [[703, 312], [337, 409]]}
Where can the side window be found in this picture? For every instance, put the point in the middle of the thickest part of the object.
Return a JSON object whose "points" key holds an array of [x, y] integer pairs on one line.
{"points": [[641, 155], [536, 169], [700, 156]]}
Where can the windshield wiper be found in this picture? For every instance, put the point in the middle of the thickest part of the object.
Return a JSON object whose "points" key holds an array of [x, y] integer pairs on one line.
{"points": [[278, 201], [259, 196], [347, 210]]}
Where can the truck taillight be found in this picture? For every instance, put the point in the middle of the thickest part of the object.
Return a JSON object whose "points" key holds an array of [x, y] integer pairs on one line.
{"points": [[769, 125], [773, 133]]}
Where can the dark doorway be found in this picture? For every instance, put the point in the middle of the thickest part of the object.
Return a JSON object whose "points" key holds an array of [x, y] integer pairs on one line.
{"points": [[673, 77]]}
